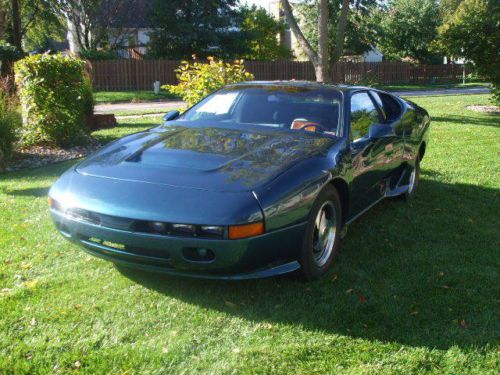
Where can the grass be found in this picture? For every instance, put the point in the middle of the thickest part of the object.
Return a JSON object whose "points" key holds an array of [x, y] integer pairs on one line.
{"points": [[102, 97], [414, 290], [432, 86]]}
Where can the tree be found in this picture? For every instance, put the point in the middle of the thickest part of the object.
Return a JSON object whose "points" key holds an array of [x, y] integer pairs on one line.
{"points": [[472, 32], [200, 27], [92, 22], [24, 21], [407, 29], [359, 32], [259, 34], [324, 56]]}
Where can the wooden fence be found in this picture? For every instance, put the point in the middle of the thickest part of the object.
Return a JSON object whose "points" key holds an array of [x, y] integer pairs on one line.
{"points": [[140, 74]]}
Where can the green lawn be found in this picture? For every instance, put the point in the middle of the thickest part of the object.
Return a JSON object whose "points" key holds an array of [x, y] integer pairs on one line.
{"points": [[415, 288], [101, 97]]}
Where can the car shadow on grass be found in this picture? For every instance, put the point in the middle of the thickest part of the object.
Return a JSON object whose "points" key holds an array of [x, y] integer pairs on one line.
{"points": [[487, 120], [423, 273]]}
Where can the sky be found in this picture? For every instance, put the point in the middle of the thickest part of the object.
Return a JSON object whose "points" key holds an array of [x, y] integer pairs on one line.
{"points": [[262, 3]]}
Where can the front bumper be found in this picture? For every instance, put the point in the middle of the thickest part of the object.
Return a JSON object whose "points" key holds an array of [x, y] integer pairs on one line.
{"points": [[269, 254]]}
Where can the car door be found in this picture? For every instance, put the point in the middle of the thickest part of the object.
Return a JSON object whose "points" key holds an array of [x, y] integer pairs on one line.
{"points": [[372, 157]]}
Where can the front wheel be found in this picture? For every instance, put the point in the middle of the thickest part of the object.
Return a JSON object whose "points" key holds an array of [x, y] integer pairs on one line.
{"points": [[322, 237]]}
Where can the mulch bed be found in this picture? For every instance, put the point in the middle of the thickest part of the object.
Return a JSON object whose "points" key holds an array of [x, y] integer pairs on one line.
{"points": [[38, 156]]}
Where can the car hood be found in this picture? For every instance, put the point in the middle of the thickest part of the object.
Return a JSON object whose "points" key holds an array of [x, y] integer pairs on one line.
{"points": [[221, 158]]}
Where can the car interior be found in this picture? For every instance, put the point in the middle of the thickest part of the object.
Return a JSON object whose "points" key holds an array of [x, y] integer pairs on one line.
{"points": [[309, 111]]}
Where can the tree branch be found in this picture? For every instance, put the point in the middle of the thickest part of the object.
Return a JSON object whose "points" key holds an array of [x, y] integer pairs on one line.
{"points": [[341, 25], [304, 43]]}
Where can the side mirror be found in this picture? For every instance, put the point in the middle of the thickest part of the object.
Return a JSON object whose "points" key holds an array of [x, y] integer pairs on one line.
{"points": [[380, 131], [172, 115]]}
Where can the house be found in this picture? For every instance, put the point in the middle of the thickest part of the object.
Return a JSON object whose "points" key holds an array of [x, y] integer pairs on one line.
{"points": [[373, 55], [128, 31]]}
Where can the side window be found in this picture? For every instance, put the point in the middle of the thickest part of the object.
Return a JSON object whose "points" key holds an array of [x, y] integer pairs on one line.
{"points": [[363, 114], [389, 105]]}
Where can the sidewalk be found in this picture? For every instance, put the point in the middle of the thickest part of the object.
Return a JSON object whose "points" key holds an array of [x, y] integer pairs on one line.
{"points": [[162, 107]]}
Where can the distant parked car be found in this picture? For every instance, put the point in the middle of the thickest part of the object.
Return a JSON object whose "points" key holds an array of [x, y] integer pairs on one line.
{"points": [[258, 179]]}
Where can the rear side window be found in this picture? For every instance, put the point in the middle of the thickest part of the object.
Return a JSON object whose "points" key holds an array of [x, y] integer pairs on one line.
{"points": [[363, 114], [389, 105]]}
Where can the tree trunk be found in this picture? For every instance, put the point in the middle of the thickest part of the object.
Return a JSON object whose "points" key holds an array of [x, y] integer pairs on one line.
{"points": [[323, 69], [16, 25], [3, 22], [301, 39]]}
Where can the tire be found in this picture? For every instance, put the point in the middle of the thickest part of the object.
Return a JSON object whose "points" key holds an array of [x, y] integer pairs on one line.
{"points": [[413, 181], [319, 250]]}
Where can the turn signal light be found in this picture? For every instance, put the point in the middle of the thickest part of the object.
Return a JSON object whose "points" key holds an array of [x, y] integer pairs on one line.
{"points": [[247, 230]]}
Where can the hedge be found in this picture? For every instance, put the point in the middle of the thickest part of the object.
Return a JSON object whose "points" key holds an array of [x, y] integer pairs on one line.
{"points": [[10, 121], [56, 99]]}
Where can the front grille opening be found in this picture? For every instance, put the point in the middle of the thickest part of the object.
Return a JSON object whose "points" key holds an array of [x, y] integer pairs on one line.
{"points": [[113, 245], [200, 254], [156, 255]]}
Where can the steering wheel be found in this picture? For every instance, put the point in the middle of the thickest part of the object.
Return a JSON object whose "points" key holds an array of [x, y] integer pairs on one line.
{"points": [[313, 125]]}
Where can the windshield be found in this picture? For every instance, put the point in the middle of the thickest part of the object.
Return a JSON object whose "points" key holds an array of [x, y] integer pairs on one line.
{"points": [[285, 107]]}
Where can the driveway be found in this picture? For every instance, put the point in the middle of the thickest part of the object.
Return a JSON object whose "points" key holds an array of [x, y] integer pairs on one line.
{"points": [[166, 106], [162, 107]]}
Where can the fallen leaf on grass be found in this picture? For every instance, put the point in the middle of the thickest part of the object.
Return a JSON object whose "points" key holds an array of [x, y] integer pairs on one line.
{"points": [[464, 324], [31, 284], [348, 291], [362, 298]]}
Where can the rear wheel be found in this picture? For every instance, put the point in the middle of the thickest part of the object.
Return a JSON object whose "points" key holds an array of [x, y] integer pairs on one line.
{"points": [[413, 180], [322, 237]]}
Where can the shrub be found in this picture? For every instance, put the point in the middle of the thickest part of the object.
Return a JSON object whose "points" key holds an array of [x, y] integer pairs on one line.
{"points": [[198, 79], [10, 121], [55, 98], [100, 54]]}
